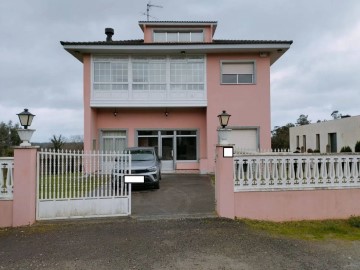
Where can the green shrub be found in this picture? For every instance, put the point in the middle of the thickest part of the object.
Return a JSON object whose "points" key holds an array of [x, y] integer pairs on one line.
{"points": [[310, 150], [317, 151], [346, 149], [354, 221], [357, 146]]}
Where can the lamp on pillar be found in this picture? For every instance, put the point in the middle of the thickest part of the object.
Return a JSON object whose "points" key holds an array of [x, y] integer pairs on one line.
{"points": [[223, 131], [25, 134]]}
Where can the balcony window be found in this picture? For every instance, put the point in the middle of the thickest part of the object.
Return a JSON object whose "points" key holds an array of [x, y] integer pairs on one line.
{"points": [[187, 74], [110, 75], [149, 75]]}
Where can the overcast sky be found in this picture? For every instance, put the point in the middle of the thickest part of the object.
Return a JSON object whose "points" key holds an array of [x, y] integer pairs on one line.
{"points": [[319, 74]]}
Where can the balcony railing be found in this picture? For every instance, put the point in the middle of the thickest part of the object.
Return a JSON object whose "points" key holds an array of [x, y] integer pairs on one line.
{"points": [[295, 172], [149, 98]]}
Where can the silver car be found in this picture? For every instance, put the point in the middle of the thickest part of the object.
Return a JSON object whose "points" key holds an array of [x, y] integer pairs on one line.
{"points": [[145, 161]]}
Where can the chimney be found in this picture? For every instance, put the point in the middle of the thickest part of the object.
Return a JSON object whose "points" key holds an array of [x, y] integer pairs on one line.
{"points": [[109, 33]]}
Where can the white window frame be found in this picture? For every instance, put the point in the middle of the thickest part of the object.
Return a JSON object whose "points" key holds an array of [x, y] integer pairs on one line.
{"points": [[168, 60], [229, 62], [183, 31]]}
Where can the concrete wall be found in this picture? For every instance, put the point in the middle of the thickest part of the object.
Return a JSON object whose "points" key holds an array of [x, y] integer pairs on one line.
{"points": [[347, 130], [21, 210]]}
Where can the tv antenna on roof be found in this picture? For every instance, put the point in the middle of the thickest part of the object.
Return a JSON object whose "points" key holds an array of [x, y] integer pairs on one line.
{"points": [[148, 7]]}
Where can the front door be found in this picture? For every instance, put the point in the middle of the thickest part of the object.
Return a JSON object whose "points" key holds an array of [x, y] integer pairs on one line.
{"points": [[167, 154]]}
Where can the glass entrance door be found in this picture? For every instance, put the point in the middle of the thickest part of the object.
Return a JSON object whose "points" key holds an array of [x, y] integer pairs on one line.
{"points": [[167, 153]]}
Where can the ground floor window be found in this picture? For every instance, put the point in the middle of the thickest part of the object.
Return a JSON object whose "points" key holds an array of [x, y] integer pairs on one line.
{"points": [[113, 140], [180, 145]]}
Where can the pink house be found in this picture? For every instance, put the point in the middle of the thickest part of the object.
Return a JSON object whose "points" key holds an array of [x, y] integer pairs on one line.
{"points": [[166, 91]]}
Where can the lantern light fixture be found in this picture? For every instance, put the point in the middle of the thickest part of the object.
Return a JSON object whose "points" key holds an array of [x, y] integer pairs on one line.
{"points": [[224, 119]]}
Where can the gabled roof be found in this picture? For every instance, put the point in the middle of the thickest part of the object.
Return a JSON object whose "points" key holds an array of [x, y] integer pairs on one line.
{"points": [[141, 42], [274, 48]]}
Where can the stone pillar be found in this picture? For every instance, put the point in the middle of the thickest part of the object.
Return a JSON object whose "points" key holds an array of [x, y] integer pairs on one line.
{"points": [[24, 196], [224, 184]]}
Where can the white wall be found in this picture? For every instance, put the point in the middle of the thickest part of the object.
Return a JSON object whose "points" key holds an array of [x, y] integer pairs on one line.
{"points": [[347, 130]]}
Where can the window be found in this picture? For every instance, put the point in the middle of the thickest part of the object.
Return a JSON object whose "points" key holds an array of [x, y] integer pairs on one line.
{"points": [[152, 73], [179, 36], [110, 75], [304, 143], [113, 140], [187, 74], [237, 72], [317, 141], [149, 74], [186, 148]]}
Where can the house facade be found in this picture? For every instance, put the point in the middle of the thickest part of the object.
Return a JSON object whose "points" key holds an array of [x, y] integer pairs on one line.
{"points": [[328, 137], [166, 91]]}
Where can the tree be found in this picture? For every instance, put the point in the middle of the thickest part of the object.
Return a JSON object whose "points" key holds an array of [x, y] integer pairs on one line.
{"points": [[58, 142], [8, 138], [280, 138], [303, 120], [336, 115]]}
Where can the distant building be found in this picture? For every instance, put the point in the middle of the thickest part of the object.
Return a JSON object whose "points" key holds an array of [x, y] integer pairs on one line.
{"points": [[328, 137], [166, 91]]}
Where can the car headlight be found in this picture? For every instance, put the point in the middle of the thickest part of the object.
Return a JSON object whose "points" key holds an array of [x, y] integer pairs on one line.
{"points": [[152, 169]]}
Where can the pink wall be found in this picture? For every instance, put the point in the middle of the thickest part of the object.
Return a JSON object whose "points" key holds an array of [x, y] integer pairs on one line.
{"points": [[298, 205], [21, 210], [131, 119], [89, 113], [249, 105], [6, 213], [148, 31], [280, 205]]}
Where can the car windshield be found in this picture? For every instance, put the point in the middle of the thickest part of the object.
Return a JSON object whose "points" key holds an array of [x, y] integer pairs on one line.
{"points": [[141, 155]]}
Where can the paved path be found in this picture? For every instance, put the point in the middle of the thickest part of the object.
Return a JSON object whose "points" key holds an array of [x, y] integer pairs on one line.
{"points": [[125, 243], [179, 195]]}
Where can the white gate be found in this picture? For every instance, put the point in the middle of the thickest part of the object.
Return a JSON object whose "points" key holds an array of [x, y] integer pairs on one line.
{"points": [[74, 184]]}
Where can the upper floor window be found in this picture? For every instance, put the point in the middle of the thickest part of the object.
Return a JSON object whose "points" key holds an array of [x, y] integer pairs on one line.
{"points": [[238, 72], [179, 36], [152, 73], [111, 74]]}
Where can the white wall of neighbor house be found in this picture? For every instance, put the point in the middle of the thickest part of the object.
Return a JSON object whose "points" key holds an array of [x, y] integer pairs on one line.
{"points": [[347, 132]]}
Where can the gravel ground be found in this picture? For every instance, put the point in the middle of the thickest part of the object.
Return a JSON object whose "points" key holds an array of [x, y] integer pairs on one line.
{"points": [[127, 243]]}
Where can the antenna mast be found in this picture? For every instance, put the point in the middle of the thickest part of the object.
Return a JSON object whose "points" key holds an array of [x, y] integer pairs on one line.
{"points": [[148, 7]]}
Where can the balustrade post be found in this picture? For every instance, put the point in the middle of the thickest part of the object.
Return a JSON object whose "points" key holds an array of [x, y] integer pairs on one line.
{"points": [[24, 198], [224, 184]]}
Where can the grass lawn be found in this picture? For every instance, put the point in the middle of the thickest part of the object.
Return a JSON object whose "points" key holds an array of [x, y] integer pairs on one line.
{"points": [[311, 230], [74, 185]]}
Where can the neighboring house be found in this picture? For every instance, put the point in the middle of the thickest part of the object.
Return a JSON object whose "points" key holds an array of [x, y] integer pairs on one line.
{"points": [[167, 89], [328, 137]]}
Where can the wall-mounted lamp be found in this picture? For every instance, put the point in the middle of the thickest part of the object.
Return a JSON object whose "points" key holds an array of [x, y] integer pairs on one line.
{"points": [[224, 119], [223, 132], [166, 112], [25, 134], [115, 112]]}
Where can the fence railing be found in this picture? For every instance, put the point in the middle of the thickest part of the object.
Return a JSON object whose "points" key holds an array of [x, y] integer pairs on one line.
{"points": [[295, 172], [6, 178], [81, 175]]}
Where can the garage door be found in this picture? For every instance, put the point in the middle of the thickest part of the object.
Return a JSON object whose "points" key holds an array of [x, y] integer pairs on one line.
{"points": [[244, 139]]}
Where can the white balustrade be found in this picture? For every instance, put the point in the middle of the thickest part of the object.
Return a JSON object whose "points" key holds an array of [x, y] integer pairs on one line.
{"points": [[287, 171], [6, 178]]}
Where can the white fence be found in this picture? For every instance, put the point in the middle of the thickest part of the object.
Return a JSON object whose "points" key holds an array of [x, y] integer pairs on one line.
{"points": [[82, 184], [6, 178], [295, 172]]}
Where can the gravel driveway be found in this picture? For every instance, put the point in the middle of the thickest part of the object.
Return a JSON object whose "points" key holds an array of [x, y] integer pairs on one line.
{"points": [[125, 243]]}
